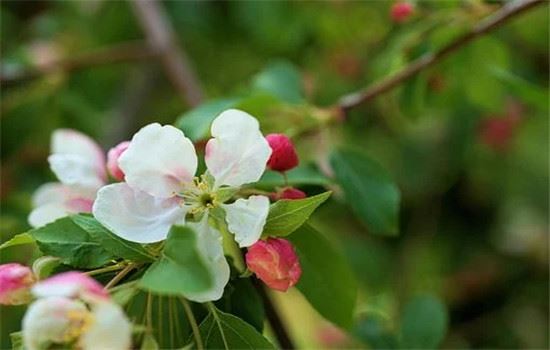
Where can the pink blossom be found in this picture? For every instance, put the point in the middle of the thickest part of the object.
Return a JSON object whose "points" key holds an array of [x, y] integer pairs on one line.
{"points": [[401, 11], [15, 283], [72, 285], [112, 160], [284, 155], [275, 262]]}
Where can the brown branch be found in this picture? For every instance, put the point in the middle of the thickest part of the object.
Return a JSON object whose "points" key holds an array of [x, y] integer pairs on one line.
{"points": [[130, 51], [160, 34], [507, 12]]}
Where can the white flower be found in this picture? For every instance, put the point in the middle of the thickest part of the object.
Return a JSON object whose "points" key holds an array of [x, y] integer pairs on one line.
{"points": [[79, 164], [74, 308], [161, 187]]}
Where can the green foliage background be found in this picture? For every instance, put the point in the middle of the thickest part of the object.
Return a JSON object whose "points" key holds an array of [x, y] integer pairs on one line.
{"points": [[468, 247]]}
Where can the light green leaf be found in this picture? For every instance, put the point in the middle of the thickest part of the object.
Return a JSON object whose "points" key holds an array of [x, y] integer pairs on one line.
{"points": [[423, 323], [149, 342], [180, 269], [196, 122], [115, 245], [124, 293], [327, 281], [282, 79], [224, 331], [72, 244], [17, 341], [20, 239], [286, 215], [44, 265], [369, 191]]}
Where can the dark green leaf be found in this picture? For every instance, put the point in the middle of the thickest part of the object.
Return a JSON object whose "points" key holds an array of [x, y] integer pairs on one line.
{"points": [[196, 122], [17, 341], [423, 323], [302, 175], [369, 191], [111, 242], [282, 79], [72, 244], [180, 269], [242, 300], [20, 239], [286, 215], [374, 331], [327, 281], [225, 331]]}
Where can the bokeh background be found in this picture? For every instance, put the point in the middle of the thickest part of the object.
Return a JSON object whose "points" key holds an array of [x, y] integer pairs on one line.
{"points": [[466, 141]]}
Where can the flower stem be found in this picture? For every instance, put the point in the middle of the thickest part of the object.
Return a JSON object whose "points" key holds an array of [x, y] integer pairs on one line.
{"points": [[193, 322], [105, 269], [120, 276]]}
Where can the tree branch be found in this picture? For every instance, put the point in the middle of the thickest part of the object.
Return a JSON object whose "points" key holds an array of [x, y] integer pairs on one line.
{"points": [[507, 12], [154, 21], [129, 51]]}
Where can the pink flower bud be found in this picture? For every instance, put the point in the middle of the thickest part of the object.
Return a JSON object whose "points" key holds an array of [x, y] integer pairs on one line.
{"points": [[289, 193], [284, 155], [401, 11], [71, 284], [15, 283], [112, 160], [275, 262]]}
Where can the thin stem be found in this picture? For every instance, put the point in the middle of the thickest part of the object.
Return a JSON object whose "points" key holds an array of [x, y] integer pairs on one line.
{"points": [[105, 269], [273, 317], [120, 276], [193, 322], [149, 312], [285, 176], [507, 12], [214, 312]]}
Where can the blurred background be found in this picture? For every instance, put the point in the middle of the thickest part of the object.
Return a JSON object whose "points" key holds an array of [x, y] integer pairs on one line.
{"points": [[466, 140]]}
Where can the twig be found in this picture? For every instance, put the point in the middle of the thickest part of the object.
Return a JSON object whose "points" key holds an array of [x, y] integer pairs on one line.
{"points": [[120, 276], [508, 11], [156, 25], [193, 323], [129, 51], [274, 319]]}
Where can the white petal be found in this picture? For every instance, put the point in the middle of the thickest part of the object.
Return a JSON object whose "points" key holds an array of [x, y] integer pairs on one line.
{"points": [[210, 247], [55, 200], [110, 329], [50, 320], [246, 219], [159, 160], [46, 214], [135, 215], [238, 153], [76, 159]]}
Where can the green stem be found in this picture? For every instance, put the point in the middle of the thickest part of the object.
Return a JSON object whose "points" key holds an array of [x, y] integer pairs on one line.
{"points": [[105, 269], [214, 312], [120, 276], [193, 322]]}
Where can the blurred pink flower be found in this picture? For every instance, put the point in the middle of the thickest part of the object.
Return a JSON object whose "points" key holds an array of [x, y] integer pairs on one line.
{"points": [[15, 283], [112, 160]]}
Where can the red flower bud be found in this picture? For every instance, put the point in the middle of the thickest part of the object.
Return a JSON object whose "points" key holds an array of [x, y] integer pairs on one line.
{"points": [[112, 160], [291, 193], [275, 262], [401, 11], [15, 283], [284, 155]]}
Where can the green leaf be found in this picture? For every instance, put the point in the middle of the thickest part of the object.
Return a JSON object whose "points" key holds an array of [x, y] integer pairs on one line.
{"points": [[17, 340], [196, 122], [115, 245], [224, 331], [375, 332], [301, 175], [44, 266], [72, 244], [423, 323], [124, 293], [327, 281], [180, 269], [20, 239], [149, 342], [282, 79], [286, 215], [242, 300], [369, 191]]}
